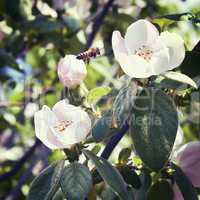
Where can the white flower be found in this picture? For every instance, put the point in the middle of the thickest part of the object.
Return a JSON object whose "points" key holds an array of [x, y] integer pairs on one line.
{"points": [[71, 71], [63, 126], [143, 52]]}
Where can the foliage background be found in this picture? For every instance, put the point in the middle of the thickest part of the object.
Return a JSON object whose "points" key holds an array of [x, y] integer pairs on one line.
{"points": [[34, 36]]}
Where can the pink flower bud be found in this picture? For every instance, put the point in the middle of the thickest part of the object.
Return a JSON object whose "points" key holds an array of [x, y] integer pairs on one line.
{"points": [[71, 71]]}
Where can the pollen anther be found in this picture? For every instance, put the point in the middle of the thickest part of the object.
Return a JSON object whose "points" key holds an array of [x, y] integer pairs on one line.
{"points": [[144, 52]]}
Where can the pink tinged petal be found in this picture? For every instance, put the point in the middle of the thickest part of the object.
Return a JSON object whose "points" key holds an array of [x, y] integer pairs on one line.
{"points": [[71, 71], [140, 33], [175, 45], [135, 66], [42, 118], [118, 44], [78, 130], [177, 193], [188, 158]]}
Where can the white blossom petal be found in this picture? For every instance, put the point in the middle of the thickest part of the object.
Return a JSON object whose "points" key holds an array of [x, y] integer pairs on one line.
{"points": [[160, 61], [140, 33], [118, 44], [176, 48], [42, 119], [78, 130], [135, 66]]}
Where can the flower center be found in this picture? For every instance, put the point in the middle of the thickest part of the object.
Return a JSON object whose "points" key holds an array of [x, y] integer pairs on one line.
{"points": [[144, 52], [61, 126]]}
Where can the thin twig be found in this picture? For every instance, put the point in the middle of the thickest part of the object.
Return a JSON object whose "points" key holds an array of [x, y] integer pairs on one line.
{"points": [[114, 140], [98, 22]]}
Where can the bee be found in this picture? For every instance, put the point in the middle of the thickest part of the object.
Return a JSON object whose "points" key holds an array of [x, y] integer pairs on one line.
{"points": [[87, 55]]}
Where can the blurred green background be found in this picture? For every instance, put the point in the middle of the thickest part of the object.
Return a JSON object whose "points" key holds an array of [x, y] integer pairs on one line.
{"points": [[34, 35]]}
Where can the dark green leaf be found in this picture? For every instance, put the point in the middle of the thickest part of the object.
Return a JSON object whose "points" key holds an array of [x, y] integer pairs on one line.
{"points": [[184, 184], [76, 181], [153, 127], [46, 184], [102, 128], [58, 195], [123, 104], [178, 17], [130, 176], [161, 188], [145, 179], [108, 194], [109, 174]]}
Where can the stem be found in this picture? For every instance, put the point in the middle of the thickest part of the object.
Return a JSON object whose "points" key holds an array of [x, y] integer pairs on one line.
{"points": [[114, 140], [98, 22]]}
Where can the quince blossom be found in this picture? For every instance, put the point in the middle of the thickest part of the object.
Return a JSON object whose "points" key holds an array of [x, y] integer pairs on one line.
{"points": [[188, 158], [143, 52], [63, 126], [71, 71]]}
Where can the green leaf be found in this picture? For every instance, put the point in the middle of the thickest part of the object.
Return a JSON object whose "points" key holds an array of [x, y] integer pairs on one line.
{"points": [[46, 184], [180, 78], [130, 176], [102, 128], [145, 179], [124, 155], [122, 106], [58, 195], [109, 174], [108, 194], [97, 93], [162, 22], [96, 149], [153, 127], [184, 184], [76, 181], [178, 17], [161, 188]]}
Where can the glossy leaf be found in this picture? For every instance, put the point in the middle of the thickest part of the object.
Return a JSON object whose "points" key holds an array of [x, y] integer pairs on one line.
{"points": [[161, 188], [76, 181], [130, 176], [46, 184], [109, 174], [153, 127], [141, 193], [180, 78], [123, 104]]}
